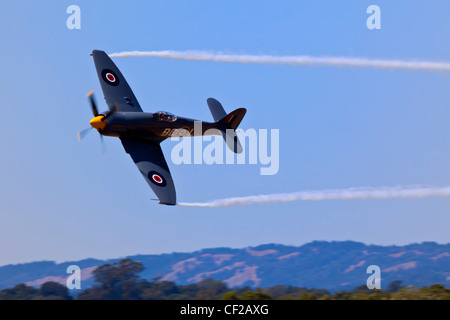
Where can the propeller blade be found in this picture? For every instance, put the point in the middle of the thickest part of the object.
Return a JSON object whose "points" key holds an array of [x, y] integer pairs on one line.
{"points": [[90, 95], [102, 141], [83, 133]]}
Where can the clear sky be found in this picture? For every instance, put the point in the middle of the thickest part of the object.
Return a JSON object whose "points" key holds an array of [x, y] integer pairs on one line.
{"points": [[339, 127]]}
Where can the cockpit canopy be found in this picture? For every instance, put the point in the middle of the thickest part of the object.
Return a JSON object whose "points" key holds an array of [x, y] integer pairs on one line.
{"points": [[165, 116]]}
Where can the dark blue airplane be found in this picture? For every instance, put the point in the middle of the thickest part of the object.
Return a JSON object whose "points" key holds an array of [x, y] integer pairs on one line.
{"points": [[141, 133]]}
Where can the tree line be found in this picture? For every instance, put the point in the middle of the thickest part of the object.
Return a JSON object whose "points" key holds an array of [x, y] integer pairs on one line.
{"points": [[120, 281]]}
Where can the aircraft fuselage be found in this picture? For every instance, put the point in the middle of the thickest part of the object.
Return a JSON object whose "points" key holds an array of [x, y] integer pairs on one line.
{"points": [[146, 125]]}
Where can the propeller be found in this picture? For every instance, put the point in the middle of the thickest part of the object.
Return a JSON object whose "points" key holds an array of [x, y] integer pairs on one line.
{"points": [[85, 132], [106, 116], [102, 142]]}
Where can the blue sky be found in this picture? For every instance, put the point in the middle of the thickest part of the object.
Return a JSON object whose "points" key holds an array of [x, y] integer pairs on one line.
{"points": [[339, 127]]}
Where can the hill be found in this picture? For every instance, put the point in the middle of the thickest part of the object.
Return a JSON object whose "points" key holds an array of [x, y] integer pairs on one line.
{"points": [[337, 265]]}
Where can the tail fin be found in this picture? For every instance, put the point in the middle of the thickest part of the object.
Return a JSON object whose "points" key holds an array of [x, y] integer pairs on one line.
{"points": [[216, 109], [233, 119], [227, 123]]}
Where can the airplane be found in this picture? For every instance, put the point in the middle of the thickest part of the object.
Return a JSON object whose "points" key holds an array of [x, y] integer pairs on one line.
{"points": [[141, 133]]}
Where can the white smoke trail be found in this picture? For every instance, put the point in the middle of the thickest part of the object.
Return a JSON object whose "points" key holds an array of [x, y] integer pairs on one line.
{"points": [[303, 60], [332, 194]]}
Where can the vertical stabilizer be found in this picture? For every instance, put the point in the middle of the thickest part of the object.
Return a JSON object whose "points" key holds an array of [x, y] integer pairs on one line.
{"points": [[227, 123], [216, 109]]}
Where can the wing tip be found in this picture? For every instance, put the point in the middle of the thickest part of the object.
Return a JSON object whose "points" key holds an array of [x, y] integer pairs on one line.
{"points": [[167, 204]]}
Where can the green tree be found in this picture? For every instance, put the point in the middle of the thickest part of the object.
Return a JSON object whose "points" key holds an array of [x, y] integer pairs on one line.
{"points": [[18, 292], [53, 291], [230, 295], [438, 292], [342, 295], [313, 295], [394, 286], [255, 295], [433, 292], [115, 281], [158, 290], [210, 289]]}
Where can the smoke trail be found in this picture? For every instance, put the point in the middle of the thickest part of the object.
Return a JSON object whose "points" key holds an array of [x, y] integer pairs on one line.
{"points": [[290, 60], [332, 194]]}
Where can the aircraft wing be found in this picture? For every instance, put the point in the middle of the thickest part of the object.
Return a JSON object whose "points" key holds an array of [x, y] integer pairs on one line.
{"points": [[150, 161], [114, 86]]}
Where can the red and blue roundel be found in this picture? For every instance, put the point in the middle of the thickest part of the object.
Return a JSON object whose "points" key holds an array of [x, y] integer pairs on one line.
{"points": [[157, 178], [110, 77]]}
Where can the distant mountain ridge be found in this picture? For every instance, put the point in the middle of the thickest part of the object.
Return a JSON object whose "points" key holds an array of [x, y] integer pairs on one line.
{"points": [[337, 265]]}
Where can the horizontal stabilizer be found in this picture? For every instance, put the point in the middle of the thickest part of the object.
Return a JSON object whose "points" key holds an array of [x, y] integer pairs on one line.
{"points": [[232, 140]]}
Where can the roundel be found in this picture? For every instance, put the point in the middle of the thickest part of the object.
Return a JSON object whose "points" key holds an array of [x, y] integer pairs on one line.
{"points": [[156, 178], [110, 77]]}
